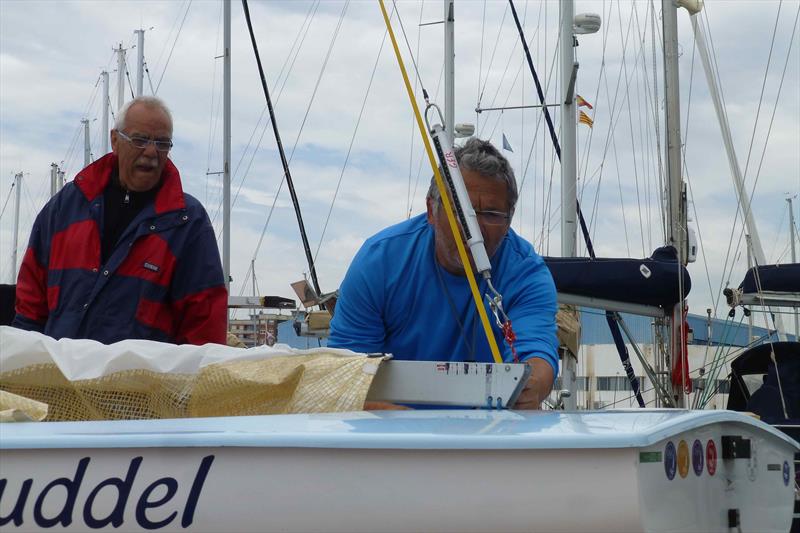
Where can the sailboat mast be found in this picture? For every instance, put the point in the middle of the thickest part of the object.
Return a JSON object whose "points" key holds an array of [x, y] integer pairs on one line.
{"points": [[87, 146], [226, 143], [675, 194], [569, 200], [569, 178], [792, 238], [105, 129], [120, 76], [139, 62], [17, 200], [53, 179], [449, 70]]}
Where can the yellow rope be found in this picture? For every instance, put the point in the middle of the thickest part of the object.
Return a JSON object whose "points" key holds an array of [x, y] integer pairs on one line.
{"points": [[462, 252]]}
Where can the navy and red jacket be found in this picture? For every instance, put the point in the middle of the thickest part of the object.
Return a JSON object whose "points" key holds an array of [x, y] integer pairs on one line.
{"points": [[163, 280]]}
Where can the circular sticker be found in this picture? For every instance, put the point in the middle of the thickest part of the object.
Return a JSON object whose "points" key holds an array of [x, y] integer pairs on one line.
{"points": [[711, 457], [683, 458], [670, 461], [786, 473], [697, 457]]}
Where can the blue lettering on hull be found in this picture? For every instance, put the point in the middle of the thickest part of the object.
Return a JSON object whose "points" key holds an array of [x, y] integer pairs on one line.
{"points": [[116, 517]]}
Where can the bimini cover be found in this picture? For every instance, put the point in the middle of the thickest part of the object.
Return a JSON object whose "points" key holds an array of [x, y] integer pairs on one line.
{"points": [[651, 281], [783, 379], [773, 278]]}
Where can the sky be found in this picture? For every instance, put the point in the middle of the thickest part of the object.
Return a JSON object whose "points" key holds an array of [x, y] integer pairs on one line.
{"points": [[355, 154]]}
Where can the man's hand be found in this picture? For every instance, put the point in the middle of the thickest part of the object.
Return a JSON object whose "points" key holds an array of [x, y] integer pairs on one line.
{"points": [[539, 385], [384, 406]]}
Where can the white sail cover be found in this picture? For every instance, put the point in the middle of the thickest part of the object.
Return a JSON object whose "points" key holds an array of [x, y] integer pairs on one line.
{"points": [[82, 379]]}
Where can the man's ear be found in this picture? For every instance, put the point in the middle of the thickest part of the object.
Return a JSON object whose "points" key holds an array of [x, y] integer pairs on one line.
{"points": [[431, 214], [114, 140]]}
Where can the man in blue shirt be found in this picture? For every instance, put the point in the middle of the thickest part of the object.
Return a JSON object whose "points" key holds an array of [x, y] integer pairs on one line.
{"points": [[406, 292]]}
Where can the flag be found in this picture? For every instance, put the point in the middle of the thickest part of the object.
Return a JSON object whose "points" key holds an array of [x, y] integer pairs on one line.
{"points": [[582, 102], [506, 144], [583, 118]]}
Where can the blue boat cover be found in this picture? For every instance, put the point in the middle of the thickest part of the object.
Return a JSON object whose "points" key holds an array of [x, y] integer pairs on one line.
{"points": [[651, 281], [775, 278], [784, 378]]}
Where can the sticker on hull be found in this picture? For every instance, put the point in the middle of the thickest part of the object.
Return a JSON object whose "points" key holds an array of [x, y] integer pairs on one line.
{"points": [[670, 461], [697, 457]]}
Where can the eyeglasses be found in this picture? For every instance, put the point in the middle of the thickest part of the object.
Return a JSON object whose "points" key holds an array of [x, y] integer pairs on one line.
{"points": [[143, 142], [493, 218]]}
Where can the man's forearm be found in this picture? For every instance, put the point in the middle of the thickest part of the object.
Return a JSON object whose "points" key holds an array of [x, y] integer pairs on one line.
{"points": [[539, 384]]}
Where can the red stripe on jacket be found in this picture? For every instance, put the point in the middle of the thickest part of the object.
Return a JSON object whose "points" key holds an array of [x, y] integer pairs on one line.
{"points": [[31, 288], [150, 259], [78, 246], [156, 315], [207, 321]]}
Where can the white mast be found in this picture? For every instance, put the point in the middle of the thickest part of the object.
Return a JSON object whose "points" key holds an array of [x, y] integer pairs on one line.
{"points": [[792, 238], [53, 179], [120, 76], [105, 129], [139, 62], [569, 198], [87, 147], [449, 70], [17, 200], [676, 212], [226, 141]]}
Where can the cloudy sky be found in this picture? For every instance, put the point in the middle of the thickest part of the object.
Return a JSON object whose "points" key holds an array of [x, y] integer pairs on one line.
{"points": [[321, 57]]}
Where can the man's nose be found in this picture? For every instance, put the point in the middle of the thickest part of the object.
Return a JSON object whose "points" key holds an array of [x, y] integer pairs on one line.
{"points": [[150, 150]]}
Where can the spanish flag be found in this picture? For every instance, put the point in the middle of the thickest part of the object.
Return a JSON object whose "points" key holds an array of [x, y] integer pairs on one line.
{"points": [[582, 102], [583, 118]]}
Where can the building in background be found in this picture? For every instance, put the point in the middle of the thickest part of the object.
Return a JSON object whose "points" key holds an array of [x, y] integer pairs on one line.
{"points": [[259, 329]]}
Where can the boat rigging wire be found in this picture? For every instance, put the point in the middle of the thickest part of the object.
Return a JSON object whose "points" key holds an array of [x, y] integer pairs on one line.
{"points": [[630, 127], [422, 153], [718, 85], [299, 133], [480, 64], [294, 51], [412, 136], [491, 60], [549, 121], [766, 142], [172, 49], [350, 147], [5, 204], [213, 117], [286, 173], [444, 196]]}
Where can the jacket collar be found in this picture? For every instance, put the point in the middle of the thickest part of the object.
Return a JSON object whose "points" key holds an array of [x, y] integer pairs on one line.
{"points": [[93, 180]]}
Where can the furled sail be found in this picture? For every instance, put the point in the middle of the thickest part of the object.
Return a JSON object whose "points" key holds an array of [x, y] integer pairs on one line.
{"points": [[777, 285], [657, 280]]}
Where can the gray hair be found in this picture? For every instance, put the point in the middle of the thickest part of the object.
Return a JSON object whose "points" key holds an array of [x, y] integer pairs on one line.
{"points": [[149, 101], [482, 157]]}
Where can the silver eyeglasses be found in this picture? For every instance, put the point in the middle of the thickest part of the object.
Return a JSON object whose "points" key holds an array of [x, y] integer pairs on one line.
{"points": [[493, 218], [142, 142]]}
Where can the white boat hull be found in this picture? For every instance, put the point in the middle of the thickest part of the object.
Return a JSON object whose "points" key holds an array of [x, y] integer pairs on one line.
{"points": [[434, 471]]}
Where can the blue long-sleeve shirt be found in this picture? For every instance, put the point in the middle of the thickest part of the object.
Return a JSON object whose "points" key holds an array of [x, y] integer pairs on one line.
{"points": [[396, 299]]}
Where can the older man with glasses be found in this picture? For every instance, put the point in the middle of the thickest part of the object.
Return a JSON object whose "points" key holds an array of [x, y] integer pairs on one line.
{"points": [[122, 252], [406, 293]]}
